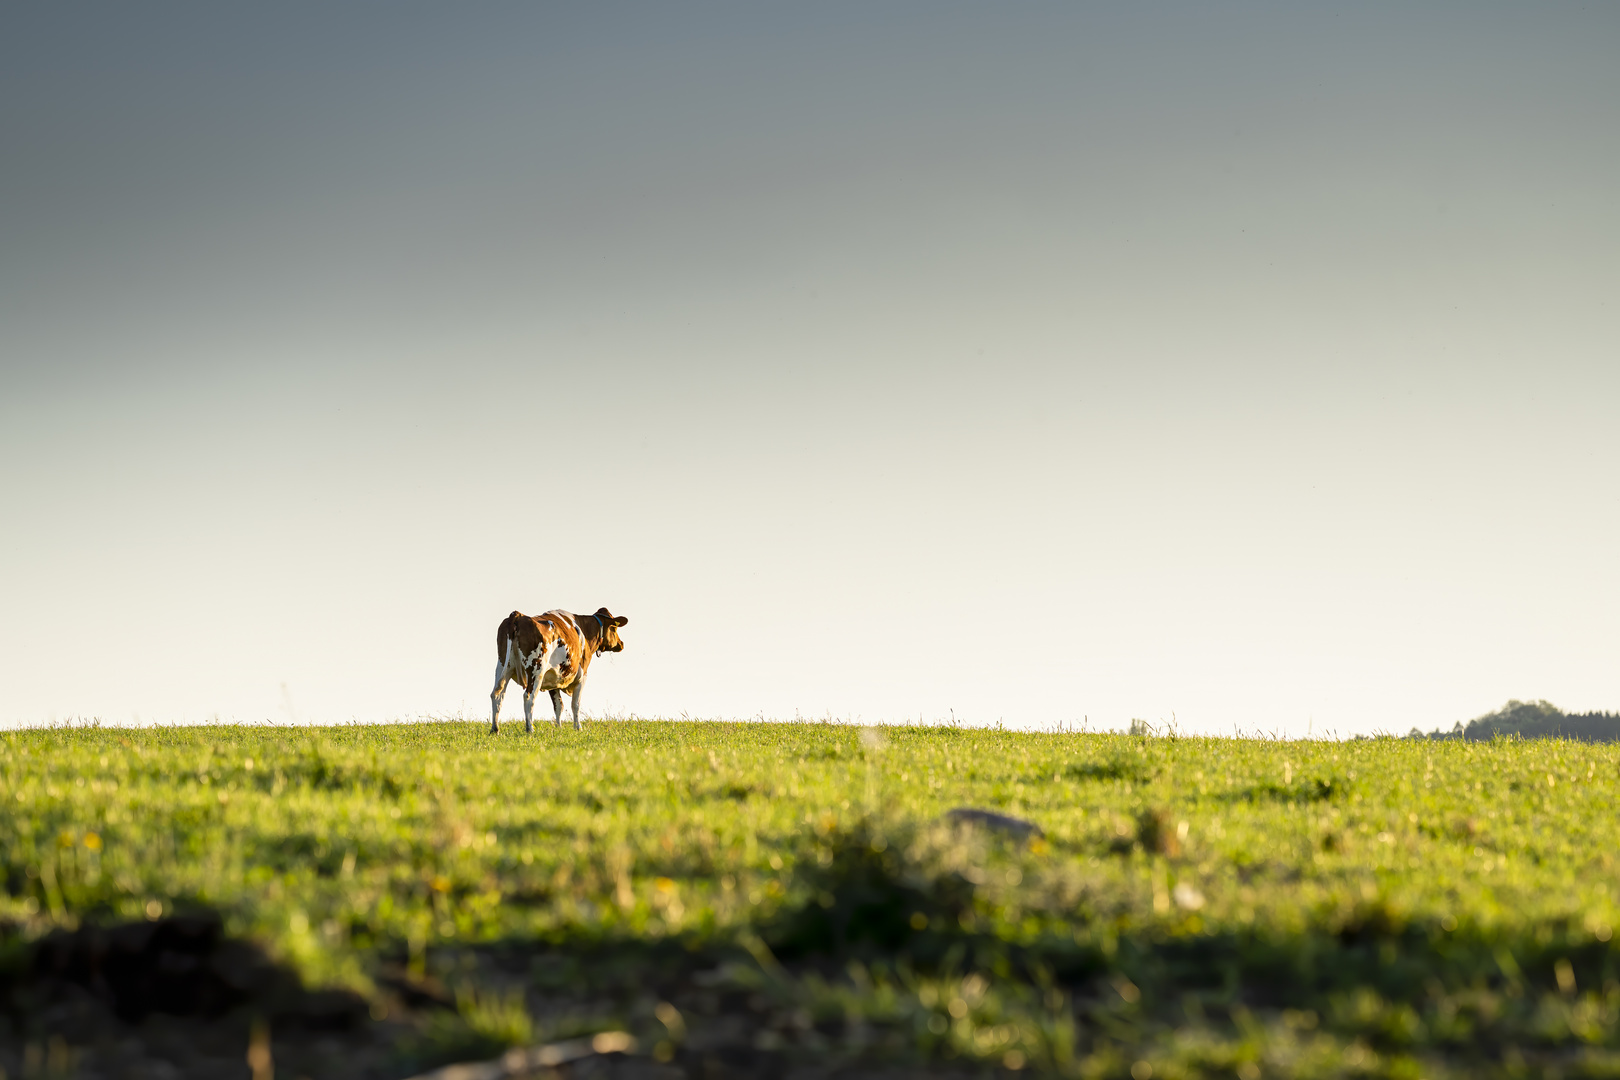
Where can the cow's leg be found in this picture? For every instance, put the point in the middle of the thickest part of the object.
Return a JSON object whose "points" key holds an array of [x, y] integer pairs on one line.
{"points": [[495, 697], [556, 708], [528, 705], [573, 697]]}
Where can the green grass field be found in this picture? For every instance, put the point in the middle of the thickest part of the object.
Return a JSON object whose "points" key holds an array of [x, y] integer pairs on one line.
{"points": [[1198, 907]]}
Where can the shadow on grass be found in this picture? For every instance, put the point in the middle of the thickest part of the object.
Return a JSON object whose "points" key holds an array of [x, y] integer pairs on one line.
{"points": [[930, 946], [1361, 974]]}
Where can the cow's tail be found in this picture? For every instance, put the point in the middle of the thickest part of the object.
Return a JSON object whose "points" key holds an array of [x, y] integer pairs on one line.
{"points": [[506, 637]]}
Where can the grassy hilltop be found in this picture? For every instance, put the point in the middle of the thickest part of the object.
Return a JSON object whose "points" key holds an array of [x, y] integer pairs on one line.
{"points": [[1197, 907]]}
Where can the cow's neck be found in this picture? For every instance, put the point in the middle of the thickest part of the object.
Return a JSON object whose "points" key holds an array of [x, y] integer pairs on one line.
{"points": [[591, 629]]}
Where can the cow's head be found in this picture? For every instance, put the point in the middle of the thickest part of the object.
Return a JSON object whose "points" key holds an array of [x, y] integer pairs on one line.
{"points": [[610, 630]]}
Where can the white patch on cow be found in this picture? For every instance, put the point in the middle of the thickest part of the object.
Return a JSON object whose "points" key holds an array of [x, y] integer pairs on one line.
{"points": [[551, 676]]}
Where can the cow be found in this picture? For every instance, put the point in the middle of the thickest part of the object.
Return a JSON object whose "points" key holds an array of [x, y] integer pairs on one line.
{"points": [[549, 652]]}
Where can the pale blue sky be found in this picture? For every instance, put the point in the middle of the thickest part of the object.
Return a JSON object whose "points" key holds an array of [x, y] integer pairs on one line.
{"points": [[1253, 364]]}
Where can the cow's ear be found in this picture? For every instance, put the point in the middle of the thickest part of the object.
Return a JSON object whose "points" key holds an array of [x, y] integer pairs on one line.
{"points": [[621, 621]]}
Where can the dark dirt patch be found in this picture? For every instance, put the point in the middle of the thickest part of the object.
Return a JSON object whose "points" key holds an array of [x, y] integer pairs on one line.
{"points": [[172, 998]]}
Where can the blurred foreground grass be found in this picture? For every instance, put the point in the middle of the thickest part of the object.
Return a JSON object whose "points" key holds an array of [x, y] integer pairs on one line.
{"points": [[1198, 907]]}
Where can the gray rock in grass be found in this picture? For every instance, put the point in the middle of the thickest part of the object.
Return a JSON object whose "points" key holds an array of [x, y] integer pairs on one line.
{"points": [[1017, 828]]}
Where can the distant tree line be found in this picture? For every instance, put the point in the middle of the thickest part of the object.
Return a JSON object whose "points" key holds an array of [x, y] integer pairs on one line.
{"points": [[1532, 720]]}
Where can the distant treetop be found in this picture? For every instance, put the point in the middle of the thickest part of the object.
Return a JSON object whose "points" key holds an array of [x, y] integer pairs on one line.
{"points": [[1533, 720]]}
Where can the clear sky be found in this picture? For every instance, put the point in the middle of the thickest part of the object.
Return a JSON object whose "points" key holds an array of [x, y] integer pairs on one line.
{"points": [[1252, 364]]}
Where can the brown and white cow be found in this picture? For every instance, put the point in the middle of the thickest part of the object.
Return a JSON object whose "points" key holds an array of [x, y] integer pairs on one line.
{"points": [[549, 652]]}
